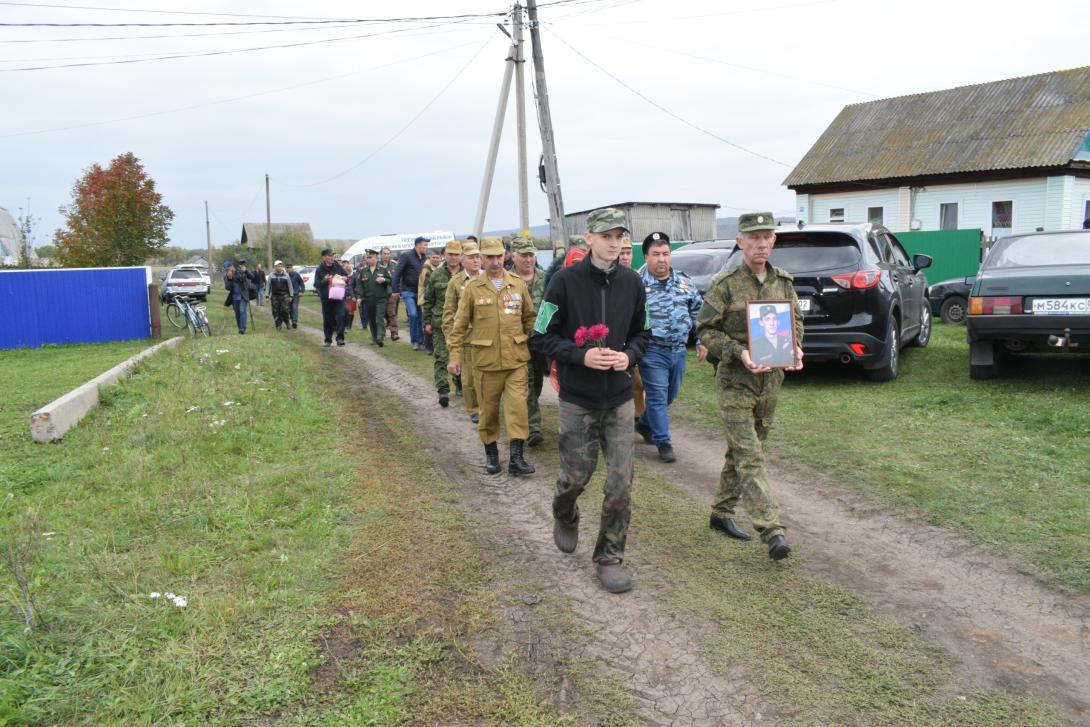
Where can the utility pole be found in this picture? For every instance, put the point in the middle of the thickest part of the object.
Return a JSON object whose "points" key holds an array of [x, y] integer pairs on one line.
{"points": [[208, 235], [494, 144], [548, 141], [268, 224], [520, 116]]}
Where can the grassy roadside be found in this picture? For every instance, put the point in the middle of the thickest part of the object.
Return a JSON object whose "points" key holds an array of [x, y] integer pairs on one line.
{"points": [[260, 508], [1002, 462]]}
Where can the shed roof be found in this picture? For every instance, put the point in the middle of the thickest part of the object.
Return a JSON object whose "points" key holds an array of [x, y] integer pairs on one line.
{"points": [[631, 204], [254, 232], [1017, 123]]}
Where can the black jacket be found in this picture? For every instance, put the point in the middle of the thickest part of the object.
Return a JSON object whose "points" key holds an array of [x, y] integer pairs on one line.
{"points": [[297, 284], [407, 275], [583, 295], [321, 285]]}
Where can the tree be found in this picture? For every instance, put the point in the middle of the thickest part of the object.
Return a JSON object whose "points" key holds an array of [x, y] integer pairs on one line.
{"points": [[115, 217]]}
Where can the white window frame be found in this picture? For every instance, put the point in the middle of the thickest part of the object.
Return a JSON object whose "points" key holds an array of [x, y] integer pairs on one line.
{"points": [[961, 210], [836, 218]]}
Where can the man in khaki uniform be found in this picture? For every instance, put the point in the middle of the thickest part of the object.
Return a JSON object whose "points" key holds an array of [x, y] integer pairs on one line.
{"points": [[499, 309], [533, 275], [433, 296], [471, 268]]}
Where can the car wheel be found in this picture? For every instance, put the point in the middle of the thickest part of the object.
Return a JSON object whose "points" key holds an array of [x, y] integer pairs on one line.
{"points": [[953, 310], [924, 335], [888, 370]]}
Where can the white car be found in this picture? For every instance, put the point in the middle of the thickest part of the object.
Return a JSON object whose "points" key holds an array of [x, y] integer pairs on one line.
{"points": [[198, 268], [307, 273], [185, 281]]}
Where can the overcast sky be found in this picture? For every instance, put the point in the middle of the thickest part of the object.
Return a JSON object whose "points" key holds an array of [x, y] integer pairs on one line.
{"points": [[330, 121]]}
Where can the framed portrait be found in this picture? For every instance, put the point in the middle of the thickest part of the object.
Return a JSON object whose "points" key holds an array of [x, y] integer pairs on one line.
{"points": [[771, 332]]}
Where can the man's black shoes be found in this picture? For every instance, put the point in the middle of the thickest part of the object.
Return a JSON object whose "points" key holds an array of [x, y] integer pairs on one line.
{"points": [[644, 431], [535, 439], [444, 399], [492, 459], [517, 465], [474, 417], [728, 526], [666, 452], [566, 535], [778, 549]]}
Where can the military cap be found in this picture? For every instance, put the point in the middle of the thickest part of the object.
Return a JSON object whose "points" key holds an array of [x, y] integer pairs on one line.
{"points": [[470, 248], [491, 246], [626, 243], [655, 238], [766, 309], [753, 221], [421, 239], [522, 244], [576, 240], [453, 246], [606, 219], [371, 251]]}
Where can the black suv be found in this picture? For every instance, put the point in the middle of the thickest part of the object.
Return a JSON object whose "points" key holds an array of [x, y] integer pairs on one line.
{"points": [[862, 300]]}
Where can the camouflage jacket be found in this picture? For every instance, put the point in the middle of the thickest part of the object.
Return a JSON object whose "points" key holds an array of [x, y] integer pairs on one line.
{"points": [[722, 324], [435, 296], [673, 305], [537, 286]]}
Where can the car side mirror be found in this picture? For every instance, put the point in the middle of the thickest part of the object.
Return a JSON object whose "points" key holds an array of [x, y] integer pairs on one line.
{"points": [[921, 261], [970, 280]]}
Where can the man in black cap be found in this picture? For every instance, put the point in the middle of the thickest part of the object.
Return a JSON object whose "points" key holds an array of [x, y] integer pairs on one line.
{"points": [[406, 280], [240, 285], [331, 274]]}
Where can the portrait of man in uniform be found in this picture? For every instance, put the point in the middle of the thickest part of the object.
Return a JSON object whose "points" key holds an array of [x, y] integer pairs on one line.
{"points": [[771, 333]]}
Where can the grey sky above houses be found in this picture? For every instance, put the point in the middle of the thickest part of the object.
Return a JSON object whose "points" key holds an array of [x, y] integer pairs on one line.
{"points": [[372, 128]]}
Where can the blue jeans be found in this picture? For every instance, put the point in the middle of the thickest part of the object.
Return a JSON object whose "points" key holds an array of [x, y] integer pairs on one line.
{"points": [[261, 295], [662, 371], [240, 307], [295, 307], [412, 312]]}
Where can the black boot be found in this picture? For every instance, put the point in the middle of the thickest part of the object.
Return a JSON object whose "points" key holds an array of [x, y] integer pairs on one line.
{"points": [[517, 465], [492, 459]]}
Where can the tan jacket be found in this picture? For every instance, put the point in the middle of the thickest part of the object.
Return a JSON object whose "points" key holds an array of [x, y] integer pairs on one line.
{"points": [[501, 322], [455, 287]]}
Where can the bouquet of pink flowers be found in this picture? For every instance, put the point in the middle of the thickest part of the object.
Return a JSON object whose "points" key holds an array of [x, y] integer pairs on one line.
{"points": [[595, 335]]}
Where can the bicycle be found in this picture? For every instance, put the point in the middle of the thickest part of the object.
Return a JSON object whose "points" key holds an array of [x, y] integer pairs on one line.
{"points": [[194, 317]]}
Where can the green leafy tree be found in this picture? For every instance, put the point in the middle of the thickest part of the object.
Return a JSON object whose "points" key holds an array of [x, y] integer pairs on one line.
{"points": [[115, 217]]}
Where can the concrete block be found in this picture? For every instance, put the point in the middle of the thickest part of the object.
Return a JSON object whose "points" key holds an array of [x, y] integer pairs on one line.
{"points": [[50, 423]]}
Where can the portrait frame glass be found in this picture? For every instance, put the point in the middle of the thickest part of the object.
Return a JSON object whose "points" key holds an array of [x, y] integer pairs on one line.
{"points": [[771, 345]]}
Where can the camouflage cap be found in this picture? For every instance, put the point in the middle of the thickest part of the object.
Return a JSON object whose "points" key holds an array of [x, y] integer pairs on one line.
{"points": [[453, 246], [492, 246], [753, 221], [576, 240], [767, 310], [522, 244], [470, 248], [606, 219]]}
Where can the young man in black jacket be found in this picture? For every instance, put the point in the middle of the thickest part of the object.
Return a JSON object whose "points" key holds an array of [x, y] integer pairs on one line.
{"points": [[596, 407], [406, 280], [333, 310]]}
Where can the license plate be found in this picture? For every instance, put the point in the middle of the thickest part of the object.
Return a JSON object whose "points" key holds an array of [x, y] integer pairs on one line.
{"points": [[804, 305], [1061, 306]]}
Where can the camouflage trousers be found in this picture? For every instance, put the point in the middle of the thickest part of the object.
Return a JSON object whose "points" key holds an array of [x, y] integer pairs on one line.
{"points": [[442, 358], [748, 402], [391, 316], [281, 310], [536, 368], [582, 433]]}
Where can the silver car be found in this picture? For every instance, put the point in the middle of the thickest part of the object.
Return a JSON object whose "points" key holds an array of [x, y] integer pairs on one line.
{"points": [[185, 281]]}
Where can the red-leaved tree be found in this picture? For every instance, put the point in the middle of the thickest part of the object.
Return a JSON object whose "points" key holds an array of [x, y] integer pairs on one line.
{"points": [[115, 217]]}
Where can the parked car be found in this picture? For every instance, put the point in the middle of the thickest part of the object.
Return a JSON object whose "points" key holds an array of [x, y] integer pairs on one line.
{"points": [[701, 261], [950, 300], [198, 268], [307, 273], [1032, 293], [862, 300], [185, 281]]}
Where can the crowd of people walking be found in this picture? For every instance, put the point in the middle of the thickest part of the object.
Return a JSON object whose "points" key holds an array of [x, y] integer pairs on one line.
{"points": [[612, 340]]}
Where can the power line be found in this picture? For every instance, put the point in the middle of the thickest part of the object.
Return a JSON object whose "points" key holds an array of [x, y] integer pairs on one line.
{"points": [[667, 111], [222, 101], [159, 12], [174, 35], [202, 54], [404, 128], [741, 11]]}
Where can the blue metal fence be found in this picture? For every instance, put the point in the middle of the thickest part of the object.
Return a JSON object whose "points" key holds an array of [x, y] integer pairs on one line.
{"points": [[91, 305]]}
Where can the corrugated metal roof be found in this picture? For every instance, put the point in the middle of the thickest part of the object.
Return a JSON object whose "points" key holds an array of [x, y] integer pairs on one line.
{"points": [[1033, 121]]}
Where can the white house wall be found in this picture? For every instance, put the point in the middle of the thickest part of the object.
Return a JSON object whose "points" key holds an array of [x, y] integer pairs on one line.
{"points": [[1054, 203]]}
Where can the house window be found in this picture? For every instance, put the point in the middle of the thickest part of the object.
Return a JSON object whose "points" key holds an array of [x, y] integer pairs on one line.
{"points": [[948, 216], [836, 214], [874, 215], [1002, 213], [1086, 215]]}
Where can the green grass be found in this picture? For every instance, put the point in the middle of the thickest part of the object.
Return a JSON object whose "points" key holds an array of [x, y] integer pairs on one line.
{"points": [[1002, 462], [270, 517]]}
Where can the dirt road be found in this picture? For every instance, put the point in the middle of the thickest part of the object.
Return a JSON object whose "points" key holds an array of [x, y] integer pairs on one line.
{"points": [[1006, 629]]}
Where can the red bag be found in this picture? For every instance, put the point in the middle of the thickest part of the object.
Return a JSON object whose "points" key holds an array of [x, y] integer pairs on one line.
{"points": [[351, 304]]}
